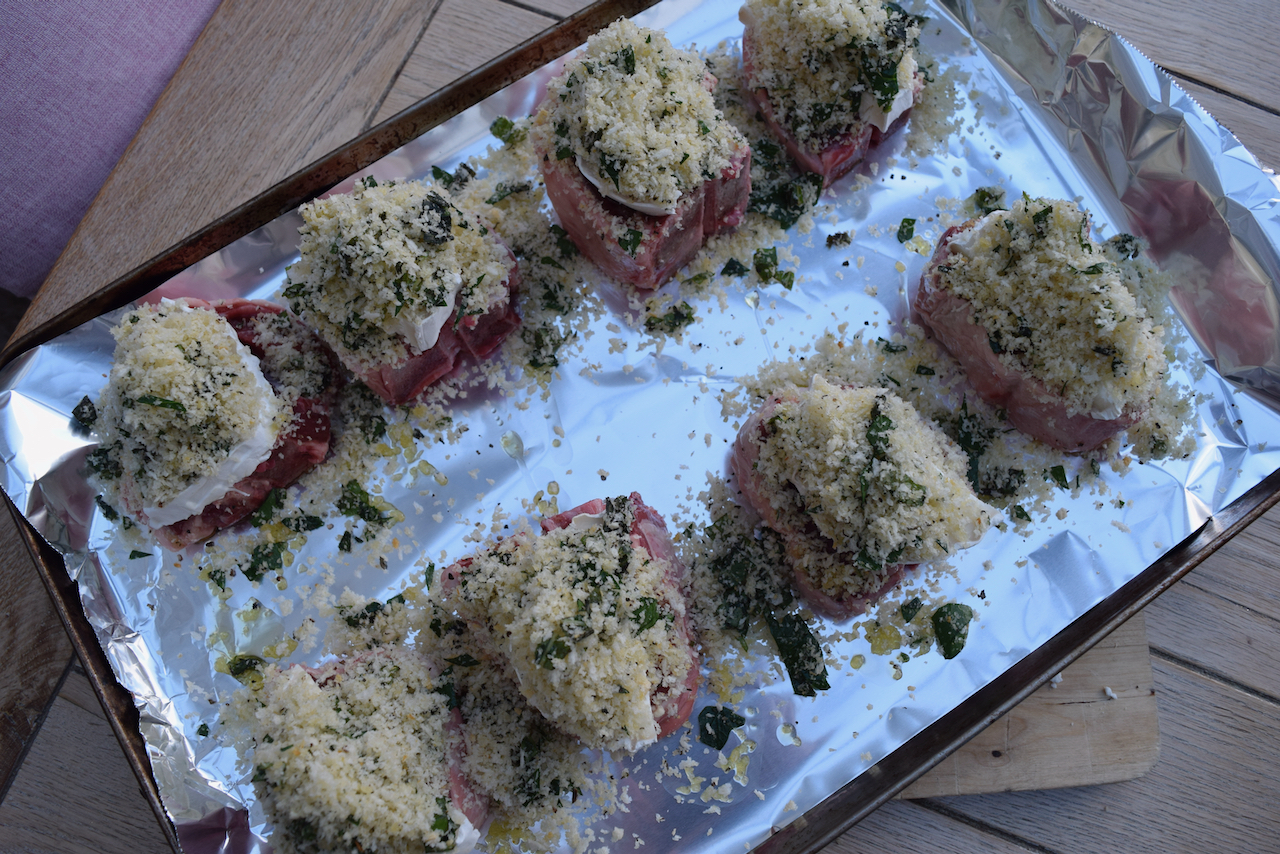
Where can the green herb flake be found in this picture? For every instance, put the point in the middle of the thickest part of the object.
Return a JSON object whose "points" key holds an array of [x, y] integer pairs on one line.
{"points": [[734, 267], [680, 316], [910, 609], [108, 512], [1020, 513], [716, 724], [801, 654], [906, 229], [104, 464], [1059, 476], [505, 129], [85, 413], [444, 825], [504, 189], [625, 59], [1126, 245], [355, 501], [765, 262], [630, 241], [549, 651], [563, 242], [647, 615], [162, 402], [988, 200], [267, 509], [202, 730], [135, 554], [951, 628], [303, 523], [240, 665], [1040, 218], [268, 557]]}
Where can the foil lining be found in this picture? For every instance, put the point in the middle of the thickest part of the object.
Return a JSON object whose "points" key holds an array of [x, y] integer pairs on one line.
{"points": [[1064, 109]]}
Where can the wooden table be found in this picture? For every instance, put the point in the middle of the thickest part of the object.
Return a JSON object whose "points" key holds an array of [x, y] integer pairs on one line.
{"points": [[267, 90]]}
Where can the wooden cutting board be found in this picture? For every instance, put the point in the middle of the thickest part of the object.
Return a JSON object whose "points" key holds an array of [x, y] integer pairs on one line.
{"points": [[1071, 734]]}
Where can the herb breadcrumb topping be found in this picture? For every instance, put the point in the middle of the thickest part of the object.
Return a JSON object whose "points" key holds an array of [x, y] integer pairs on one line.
{"points": [[384, 268], [879, 482], [185, 401], [587, 620], [1060, 306], [638, 116], [353, 756], [829, 63]]}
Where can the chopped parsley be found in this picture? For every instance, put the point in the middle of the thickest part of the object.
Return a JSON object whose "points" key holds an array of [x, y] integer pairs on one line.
{"points": [[765, 262], [630, 241], [680, 316], [85, 413], [505, 129]]}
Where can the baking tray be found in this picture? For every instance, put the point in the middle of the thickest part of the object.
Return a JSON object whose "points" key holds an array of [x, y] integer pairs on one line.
{"points": [[850, 803]]}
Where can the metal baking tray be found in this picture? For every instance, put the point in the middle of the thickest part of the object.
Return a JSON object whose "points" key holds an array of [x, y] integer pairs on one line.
{"points": [[1147, 158]]}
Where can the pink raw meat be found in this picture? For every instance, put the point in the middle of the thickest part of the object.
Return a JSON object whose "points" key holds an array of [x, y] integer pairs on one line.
{"points": [[666, 243], [479, 335], [1031, 406], [797, 543], [299, 448], [838, 155]]}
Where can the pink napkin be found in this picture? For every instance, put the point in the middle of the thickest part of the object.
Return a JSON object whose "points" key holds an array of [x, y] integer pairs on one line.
{"points": [[77, 78]]}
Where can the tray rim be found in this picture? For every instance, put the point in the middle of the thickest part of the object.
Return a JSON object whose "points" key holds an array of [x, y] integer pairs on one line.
{"points": [[839, 811]]}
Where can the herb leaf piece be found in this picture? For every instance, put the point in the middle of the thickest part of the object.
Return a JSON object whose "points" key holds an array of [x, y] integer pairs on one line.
{"points": [[85, 413], [801, 654], [267, 509], [680, 316], [505, 129], [951, 628], [163, 402], [715, 724], [630, 241]]}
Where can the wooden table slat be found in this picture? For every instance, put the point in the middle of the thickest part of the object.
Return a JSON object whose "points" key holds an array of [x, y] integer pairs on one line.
{"points": [[449, 50], [1071, 734], [35, 647], [1214, 789]]}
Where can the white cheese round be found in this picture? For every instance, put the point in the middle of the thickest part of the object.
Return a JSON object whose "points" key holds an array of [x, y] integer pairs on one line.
{"points": [[240, 461], [424, 333], [607, 190], [871, 109]]}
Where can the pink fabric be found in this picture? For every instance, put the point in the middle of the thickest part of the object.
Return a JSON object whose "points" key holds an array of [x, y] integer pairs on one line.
{"points": [[77, 79]]}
